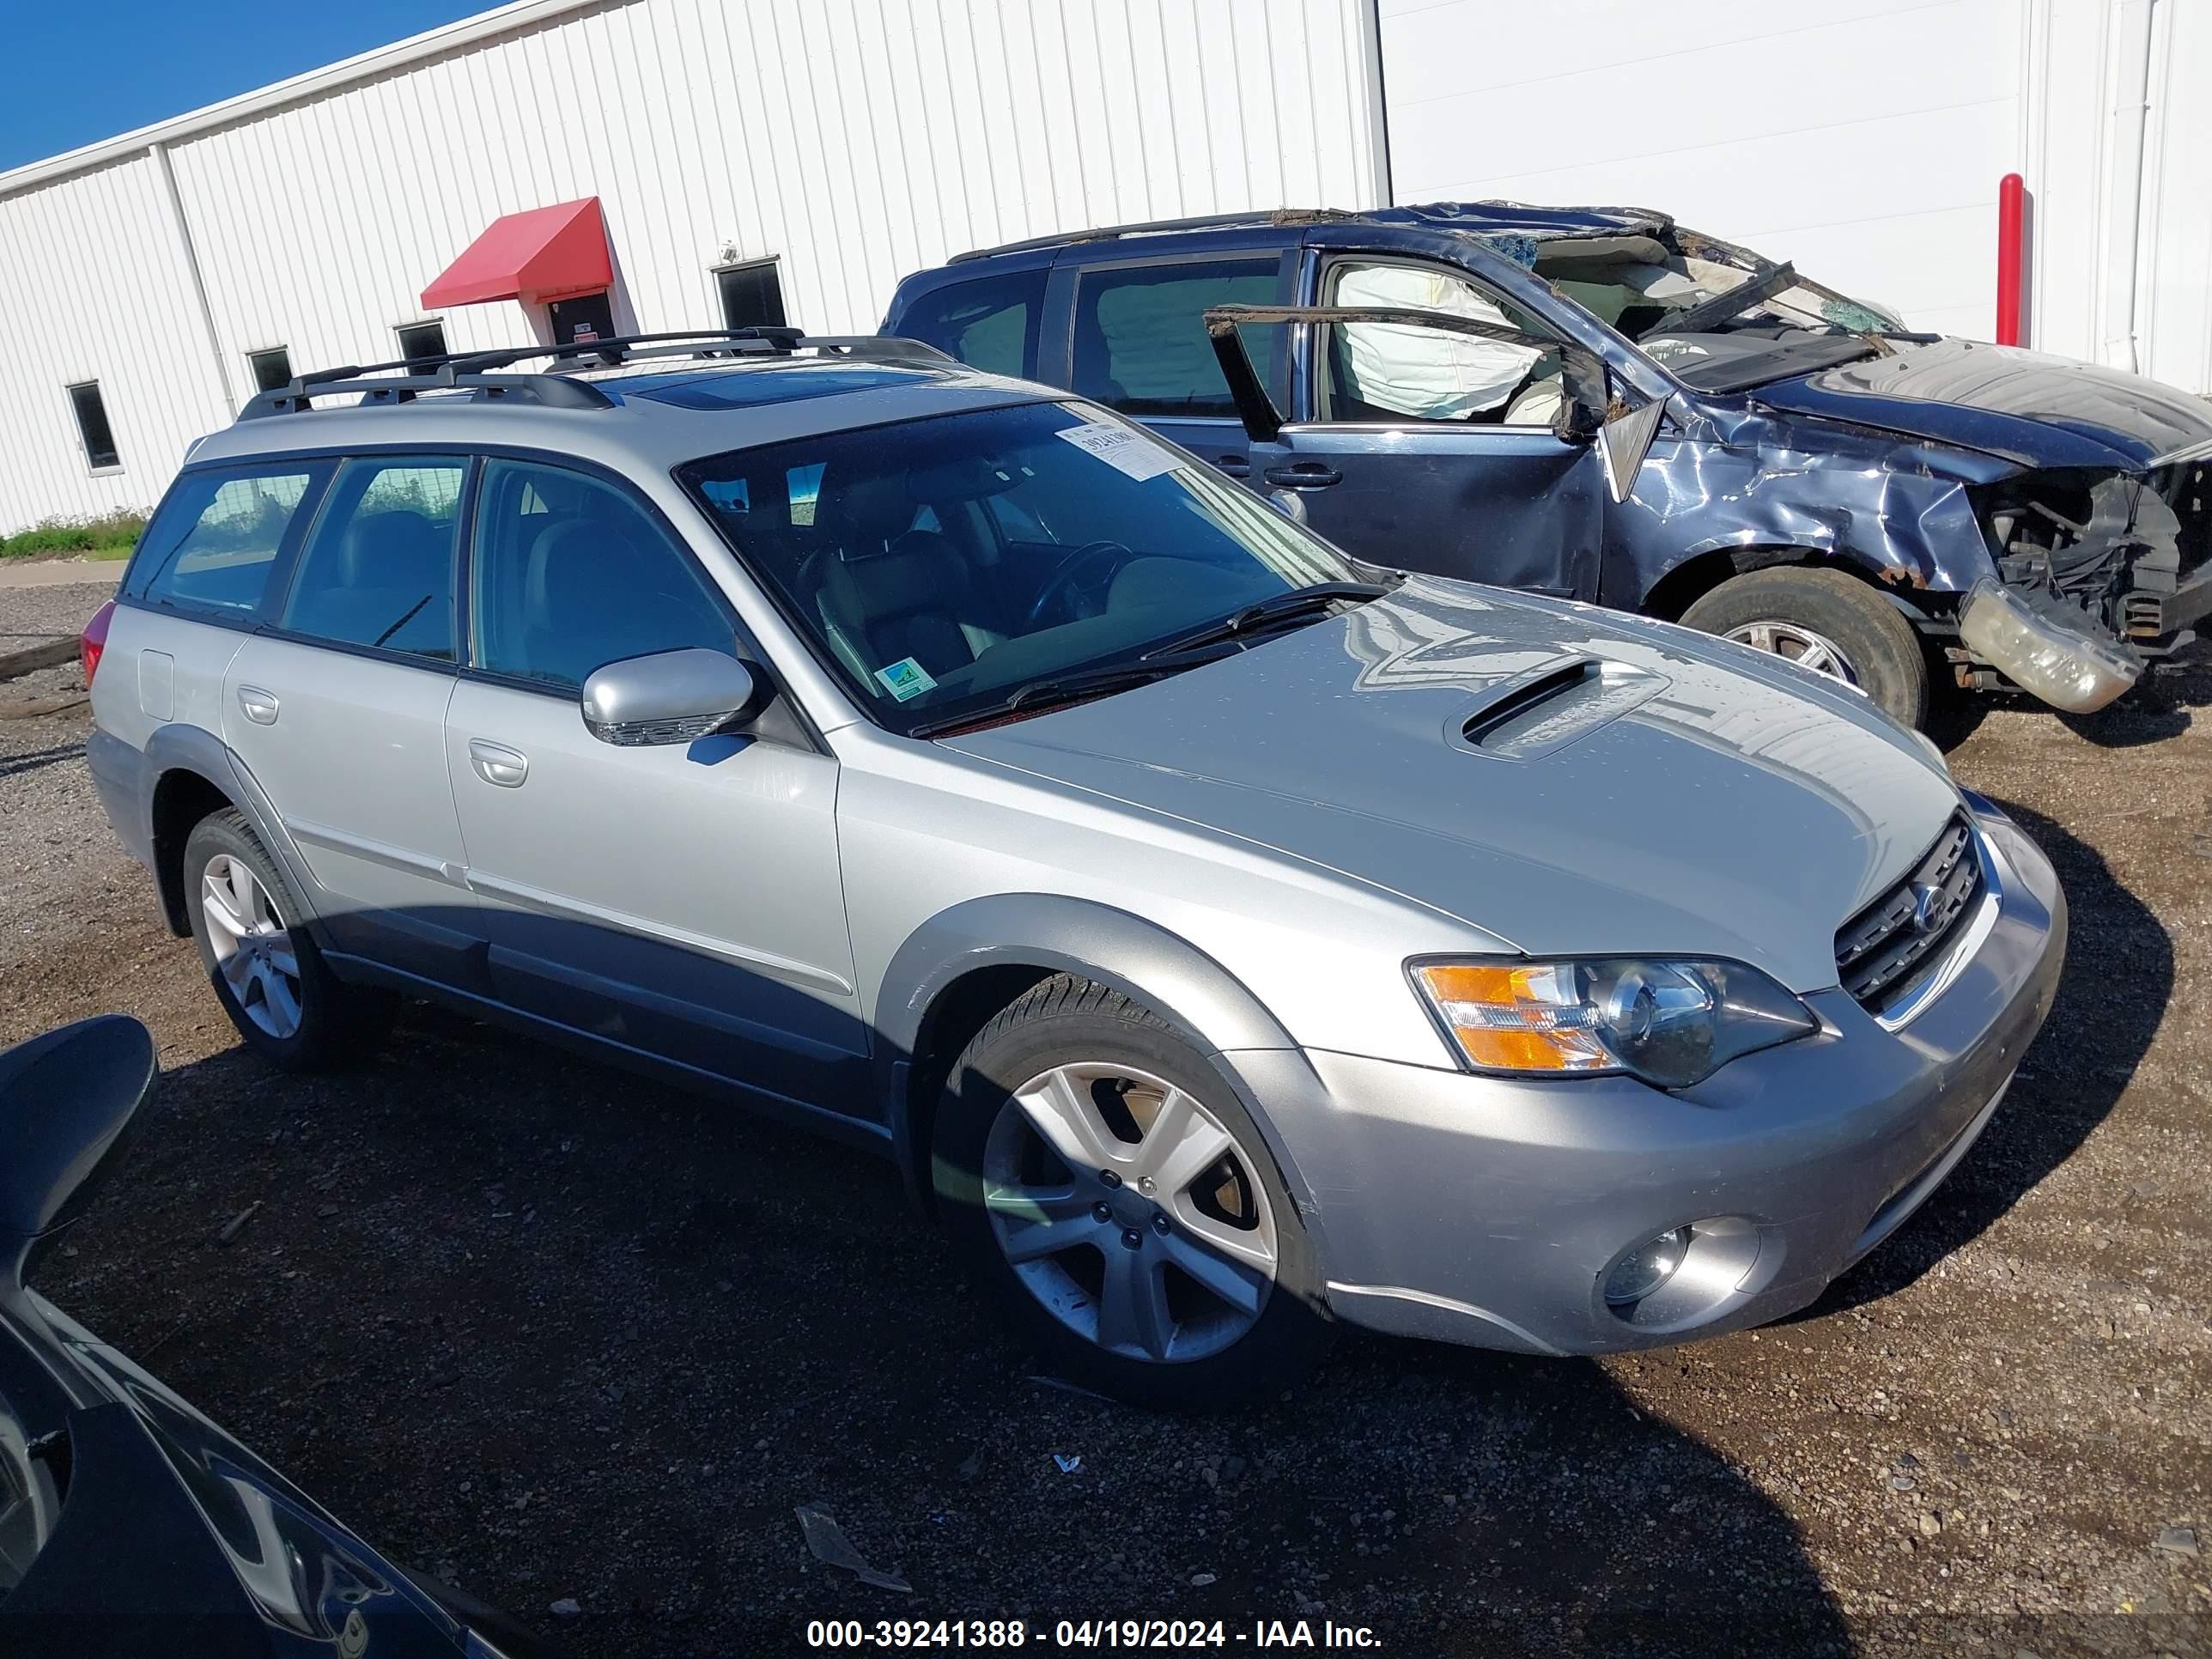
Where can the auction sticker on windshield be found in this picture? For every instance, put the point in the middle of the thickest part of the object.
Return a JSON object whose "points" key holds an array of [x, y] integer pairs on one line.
{"points": [[1123, 450], [906, 678]]}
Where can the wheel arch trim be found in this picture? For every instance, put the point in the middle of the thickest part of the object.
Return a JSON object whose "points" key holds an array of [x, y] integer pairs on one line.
{"points": [[189, 749], [1058, 934]]}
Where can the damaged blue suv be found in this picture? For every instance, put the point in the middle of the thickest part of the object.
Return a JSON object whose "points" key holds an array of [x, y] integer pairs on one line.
{"points": [[1601, 404]]}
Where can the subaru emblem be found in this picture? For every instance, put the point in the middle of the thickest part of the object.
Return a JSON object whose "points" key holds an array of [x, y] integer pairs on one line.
{"points": [[1927, 908]]}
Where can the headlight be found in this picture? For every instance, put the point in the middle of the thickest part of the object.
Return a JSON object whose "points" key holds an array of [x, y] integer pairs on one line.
{"points": [[1667, 1021]]}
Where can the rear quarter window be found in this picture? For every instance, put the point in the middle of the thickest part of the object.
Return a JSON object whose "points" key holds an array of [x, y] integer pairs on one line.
{"points": [[989, 324], [214, 541]]}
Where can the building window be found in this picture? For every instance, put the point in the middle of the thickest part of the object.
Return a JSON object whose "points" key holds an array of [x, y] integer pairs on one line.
{"points": [[93, 430], [420, 342], [752, 295], [272, 369]]}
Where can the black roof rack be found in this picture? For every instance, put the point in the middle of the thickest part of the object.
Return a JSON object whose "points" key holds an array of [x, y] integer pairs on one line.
{"points": [[560, 386], [1162, 227]]}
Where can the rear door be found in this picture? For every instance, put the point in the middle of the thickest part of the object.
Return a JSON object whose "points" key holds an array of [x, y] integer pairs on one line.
{"points": [[1449, 450], [1131, 336], [337, 708]]}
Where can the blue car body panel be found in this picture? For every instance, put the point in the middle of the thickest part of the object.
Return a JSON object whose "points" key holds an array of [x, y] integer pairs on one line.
{"points": [[1889, 467]]}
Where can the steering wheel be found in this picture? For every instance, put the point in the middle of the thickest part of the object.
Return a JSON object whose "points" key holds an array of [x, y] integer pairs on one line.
{"points": [[1061, 584]]}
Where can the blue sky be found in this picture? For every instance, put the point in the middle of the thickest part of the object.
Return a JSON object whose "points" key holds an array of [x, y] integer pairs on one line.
{"points": [[85, 71]]}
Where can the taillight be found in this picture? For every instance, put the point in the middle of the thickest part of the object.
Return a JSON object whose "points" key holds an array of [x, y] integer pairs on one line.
{"points": [[93, 641]]}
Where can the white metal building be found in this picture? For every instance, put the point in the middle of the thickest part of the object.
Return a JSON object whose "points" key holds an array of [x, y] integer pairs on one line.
{"points": [[757, 160]]}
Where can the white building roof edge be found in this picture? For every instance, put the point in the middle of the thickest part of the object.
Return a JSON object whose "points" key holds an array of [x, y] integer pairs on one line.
{"points": [[315, 83]]}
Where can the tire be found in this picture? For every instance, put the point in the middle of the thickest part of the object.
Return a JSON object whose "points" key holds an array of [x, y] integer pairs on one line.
{"points": [[1882, 654], [1262, 1327], [271, 981]]}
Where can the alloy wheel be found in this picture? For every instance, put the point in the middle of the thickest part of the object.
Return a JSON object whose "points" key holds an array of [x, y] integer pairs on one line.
{"points": [[1794, 642], [1129, 1211], [252, 944]]}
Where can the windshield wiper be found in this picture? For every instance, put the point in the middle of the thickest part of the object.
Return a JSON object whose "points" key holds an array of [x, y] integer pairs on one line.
{"points": [[1058, 692], [1282, 607]]}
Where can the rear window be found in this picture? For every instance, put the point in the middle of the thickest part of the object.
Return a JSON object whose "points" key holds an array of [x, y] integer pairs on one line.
{"points": [[990, 324], [215, 538], [1140, 341]]}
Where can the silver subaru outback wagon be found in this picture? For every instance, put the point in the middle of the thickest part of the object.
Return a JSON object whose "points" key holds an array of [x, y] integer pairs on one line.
{"points": [[1227, 938]]}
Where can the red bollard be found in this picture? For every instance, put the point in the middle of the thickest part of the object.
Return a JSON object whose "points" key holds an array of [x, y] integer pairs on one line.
{"points": [[2012, 192]]}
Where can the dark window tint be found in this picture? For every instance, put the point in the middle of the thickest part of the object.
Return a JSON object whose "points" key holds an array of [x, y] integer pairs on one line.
{"points": [[571, 574], [1141, 342], [752, 295], [92, 429], [420, 340], [271, 368], [216, 536], [378, 569], [990, 325]]}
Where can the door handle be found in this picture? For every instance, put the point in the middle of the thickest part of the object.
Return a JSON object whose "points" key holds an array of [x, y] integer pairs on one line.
{"points": [[496, 763], [260, 706], [1235, 466], [1303, 475]]}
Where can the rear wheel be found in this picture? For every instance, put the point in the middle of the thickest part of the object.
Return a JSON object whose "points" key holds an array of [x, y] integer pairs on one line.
{"points": [[1118, 1200], [266, 971], [1827, 623]]}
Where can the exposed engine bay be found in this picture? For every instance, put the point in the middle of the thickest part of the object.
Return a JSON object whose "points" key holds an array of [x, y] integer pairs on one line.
{"points": [[2101, 556]]}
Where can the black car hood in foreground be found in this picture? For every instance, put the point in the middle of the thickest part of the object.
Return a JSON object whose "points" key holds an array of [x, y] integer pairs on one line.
{"points": [[175, 1539], [2037, 409]]}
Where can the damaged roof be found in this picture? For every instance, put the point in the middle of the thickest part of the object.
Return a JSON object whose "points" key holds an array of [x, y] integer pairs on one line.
{"points": [[1493, 219]]}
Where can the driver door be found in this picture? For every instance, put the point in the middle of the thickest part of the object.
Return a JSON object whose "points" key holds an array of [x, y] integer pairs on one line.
{"points": [[682, 900], [1439, 431]]}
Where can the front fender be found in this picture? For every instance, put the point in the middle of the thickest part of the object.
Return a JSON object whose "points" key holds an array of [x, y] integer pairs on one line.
{"points": [[1137, 958], [1897, 511]]}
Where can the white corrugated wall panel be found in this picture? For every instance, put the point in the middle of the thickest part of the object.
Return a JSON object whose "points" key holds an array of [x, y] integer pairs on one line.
{"points": [[858, 140], [1863, 138], [96, 291], [855, 139]]}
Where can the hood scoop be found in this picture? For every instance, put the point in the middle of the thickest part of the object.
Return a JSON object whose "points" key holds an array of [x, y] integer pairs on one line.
{"points": [[1548, 706]]}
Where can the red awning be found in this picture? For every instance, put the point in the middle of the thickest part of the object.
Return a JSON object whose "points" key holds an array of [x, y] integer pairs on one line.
{"points": [[547, 253]]}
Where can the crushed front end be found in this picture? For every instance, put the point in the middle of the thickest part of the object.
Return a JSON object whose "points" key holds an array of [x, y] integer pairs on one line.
{"points": [[2101, 574]]}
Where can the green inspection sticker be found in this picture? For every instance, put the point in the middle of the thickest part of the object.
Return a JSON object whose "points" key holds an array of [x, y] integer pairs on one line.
{"points": [[905, 678]]}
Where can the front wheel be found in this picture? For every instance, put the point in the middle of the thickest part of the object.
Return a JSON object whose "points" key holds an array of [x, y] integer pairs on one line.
{"points": [[1826, 623], [1120, 1202]]}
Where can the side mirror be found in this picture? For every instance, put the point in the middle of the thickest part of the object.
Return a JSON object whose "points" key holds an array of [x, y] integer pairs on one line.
{"points": [[66, 1099], [671, 696]]}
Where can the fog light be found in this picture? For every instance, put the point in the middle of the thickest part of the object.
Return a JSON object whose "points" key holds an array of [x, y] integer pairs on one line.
{"points": [[1646, 1267]]}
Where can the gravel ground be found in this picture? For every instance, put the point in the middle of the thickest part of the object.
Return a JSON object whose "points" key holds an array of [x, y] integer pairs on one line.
{"points": [[561, 1335]]}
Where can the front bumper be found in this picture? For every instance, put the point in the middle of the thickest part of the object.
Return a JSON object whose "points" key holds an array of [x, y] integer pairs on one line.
{"points": [[1487, 1211]]}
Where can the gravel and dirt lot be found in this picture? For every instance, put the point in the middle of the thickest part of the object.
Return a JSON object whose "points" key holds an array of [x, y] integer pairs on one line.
{"points": [[565, 1337]]}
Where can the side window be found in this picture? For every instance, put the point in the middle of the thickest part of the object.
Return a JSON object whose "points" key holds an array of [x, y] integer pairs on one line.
{"points": [[1140, 341], [990, 324], [215, 540], [1397, 372], [378, 569], [571, 573]]}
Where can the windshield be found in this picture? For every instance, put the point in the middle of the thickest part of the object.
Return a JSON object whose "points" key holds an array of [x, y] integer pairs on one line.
{"points": [[940, 566], [1665, 293]]}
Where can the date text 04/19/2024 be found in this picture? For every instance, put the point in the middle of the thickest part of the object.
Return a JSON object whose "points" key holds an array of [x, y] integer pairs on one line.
{"points": [[1088, 1634]]}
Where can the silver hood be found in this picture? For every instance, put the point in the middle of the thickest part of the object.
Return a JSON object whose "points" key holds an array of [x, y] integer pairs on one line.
{"points": [[1567, 779]]}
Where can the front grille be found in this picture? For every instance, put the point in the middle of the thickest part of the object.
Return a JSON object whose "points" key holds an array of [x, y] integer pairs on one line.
{"points": [[1884, 951]]}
